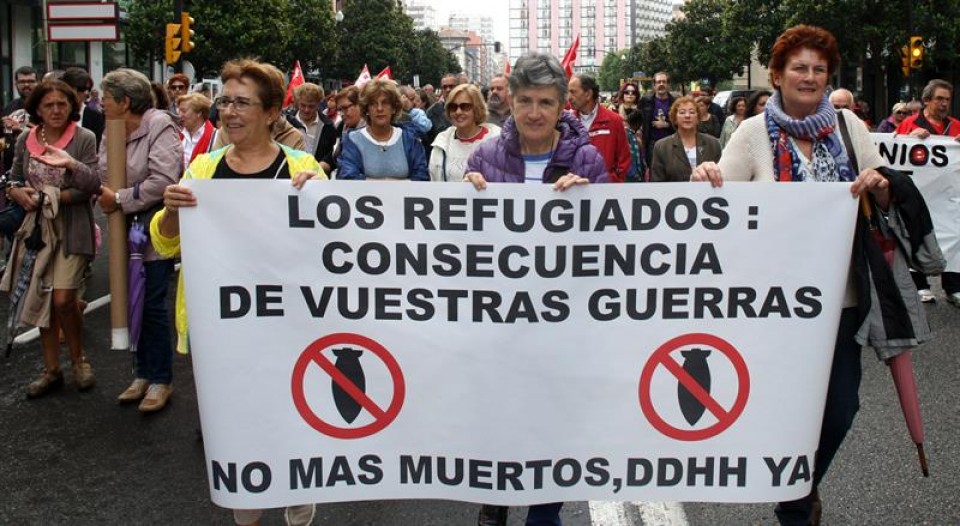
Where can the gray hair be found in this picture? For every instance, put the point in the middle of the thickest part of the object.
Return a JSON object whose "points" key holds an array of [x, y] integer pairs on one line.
{"points": [[535, 70], [129, 83], [932, 86]]}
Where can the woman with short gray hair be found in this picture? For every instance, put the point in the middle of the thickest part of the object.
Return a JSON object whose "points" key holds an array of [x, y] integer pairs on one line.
{"points": [[539, 143], [154, 160], [129, 84]]}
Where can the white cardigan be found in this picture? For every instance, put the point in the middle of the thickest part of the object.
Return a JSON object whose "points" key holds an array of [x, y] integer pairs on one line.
{"points": [[748, 155]]}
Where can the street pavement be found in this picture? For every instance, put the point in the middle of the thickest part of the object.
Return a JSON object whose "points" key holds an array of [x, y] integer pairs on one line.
{"points": [[79, 458]]}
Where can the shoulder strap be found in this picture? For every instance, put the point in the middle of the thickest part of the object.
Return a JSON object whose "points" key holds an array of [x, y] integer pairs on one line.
{"points": [[851, 153]]}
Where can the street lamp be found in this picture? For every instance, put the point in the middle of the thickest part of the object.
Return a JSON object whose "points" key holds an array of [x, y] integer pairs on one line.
{"points": [[339, 16]]}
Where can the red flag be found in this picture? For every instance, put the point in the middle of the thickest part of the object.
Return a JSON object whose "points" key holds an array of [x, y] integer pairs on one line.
{"points": [[570, 57], [296, 79], [506, 67], [363, 78], [385, 73]]}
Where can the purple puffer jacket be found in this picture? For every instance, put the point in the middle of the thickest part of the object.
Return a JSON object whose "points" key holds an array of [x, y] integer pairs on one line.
{"points": [[500, 161]]}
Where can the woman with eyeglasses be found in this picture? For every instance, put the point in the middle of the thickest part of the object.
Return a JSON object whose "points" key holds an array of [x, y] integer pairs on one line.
{"points": [[675, 156], [453, 146], [897, 114], [383, 150], [249, 105]]}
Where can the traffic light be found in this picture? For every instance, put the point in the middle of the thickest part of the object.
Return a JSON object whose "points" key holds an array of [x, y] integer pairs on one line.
{"points": [[916, 52], [905, 60], [186, 32], [172, 44]]}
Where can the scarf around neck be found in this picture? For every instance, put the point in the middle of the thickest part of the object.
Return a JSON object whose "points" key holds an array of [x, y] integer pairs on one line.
{"points": [[819, 127]]}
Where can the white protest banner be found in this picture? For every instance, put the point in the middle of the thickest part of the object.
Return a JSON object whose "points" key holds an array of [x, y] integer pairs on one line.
{"points": [[934, 164], [357, 341]]}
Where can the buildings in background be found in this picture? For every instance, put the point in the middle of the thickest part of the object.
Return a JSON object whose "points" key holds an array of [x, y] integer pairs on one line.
{"points": [[469, 37], [604, 26], [424, 15]]}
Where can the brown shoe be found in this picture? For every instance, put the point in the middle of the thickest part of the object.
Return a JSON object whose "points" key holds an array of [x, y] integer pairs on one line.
{"points": [[48, 381], [83, 375], [135, 392], [156, 398]]}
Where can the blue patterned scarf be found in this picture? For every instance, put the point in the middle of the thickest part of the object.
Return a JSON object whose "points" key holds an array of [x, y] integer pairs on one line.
{"points": [[819, 127]]}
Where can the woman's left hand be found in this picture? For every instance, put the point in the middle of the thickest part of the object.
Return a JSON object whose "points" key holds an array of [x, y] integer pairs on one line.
{"points": [[569, 180], [108, 200], [874, 182], [300, 178], [56, 157]]}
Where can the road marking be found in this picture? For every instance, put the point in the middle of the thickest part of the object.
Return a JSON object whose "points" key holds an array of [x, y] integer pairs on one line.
{"points": [[662, 514], [604, 513], [34, 333]]}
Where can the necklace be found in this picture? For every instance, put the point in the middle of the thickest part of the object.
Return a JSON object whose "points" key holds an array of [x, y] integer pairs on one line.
{"points": [[43, 135], [383, 144]]}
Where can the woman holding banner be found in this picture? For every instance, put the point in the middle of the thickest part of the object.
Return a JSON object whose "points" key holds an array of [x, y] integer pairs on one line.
{"points": [[541, 143], [250, 104], [801, 138]]}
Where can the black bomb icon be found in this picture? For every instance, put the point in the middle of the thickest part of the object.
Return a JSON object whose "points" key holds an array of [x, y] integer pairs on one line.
{"points": [[695, 364], [348, 363]]}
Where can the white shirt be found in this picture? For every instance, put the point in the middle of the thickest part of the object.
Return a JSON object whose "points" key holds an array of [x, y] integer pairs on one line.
{"points": [[189, 143], [311, 131], [587, 118]]}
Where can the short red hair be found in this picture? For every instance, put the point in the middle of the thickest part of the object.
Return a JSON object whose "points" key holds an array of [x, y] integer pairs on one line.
{"points": [[800, 37]]}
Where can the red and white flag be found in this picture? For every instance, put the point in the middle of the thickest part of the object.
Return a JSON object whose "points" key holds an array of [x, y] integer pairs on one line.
{"points": [[385, 73], [570, 58], [296, 80], [363, 78]]}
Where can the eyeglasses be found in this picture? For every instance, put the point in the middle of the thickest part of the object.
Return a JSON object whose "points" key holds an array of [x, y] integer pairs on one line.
{"points": [[240, 105], [448, 86], [343, 109], [630, 92], [841, 107], [903, 113], [177, 87], [465, 107]]}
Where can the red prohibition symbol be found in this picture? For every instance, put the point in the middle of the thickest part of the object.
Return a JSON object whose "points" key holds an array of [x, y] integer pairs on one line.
{"points": [[725, 416], [313, 354]]}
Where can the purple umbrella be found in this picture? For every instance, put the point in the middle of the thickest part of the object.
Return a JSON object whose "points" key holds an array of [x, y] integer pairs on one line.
{"points": [[137, 277], [32, 244]]}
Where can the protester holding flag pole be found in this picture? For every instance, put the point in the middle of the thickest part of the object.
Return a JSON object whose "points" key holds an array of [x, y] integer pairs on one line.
{"points": [[801, 138]]}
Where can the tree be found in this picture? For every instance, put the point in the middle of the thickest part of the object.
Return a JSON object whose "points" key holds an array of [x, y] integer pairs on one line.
{"points": [[376, 33], [432, 60], [298, 30], [705, 44], [613, 69]]}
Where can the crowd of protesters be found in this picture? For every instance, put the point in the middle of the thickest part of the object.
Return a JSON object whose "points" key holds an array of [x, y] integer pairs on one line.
{"points": [[532, 126]]}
